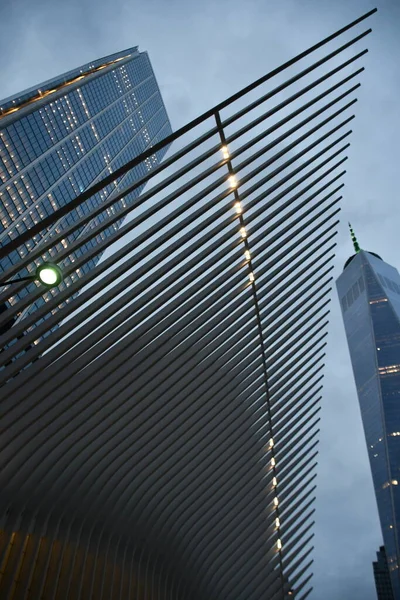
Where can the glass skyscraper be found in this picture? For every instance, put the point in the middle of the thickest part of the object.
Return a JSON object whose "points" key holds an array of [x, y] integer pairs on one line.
{"points": [[59, 138], [369, 293], [382, 576]]}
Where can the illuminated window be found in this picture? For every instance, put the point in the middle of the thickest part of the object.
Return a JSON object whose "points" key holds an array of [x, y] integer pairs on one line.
{"points": [[387, 370], [277, 522], [279, 544], [378, 301], [273, 463], [251, 277], [274, 481], [247, 255], [271, 443], [243, 232], [276, 501]]}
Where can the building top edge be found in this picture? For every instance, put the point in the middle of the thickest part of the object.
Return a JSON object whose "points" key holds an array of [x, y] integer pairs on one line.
{"points": [[25, 95], [349, 260]]}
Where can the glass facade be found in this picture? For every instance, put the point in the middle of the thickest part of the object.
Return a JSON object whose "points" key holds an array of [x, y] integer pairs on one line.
{"points": [[61, 137], [382, 576], [369, 292]]}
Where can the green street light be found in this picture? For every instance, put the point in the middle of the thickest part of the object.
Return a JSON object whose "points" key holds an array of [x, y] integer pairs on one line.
{"points": [[49, 274]]}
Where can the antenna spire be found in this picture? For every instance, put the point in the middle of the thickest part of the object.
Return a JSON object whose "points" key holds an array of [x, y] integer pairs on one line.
{"points": [[354, 239]]}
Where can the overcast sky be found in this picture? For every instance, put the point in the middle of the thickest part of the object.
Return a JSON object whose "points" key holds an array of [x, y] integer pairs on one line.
{"points": [[203, 52]]}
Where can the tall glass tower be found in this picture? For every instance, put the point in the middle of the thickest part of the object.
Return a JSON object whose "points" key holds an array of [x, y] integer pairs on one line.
{"points": [[59, 138], [382, 576], [369, 293]]}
